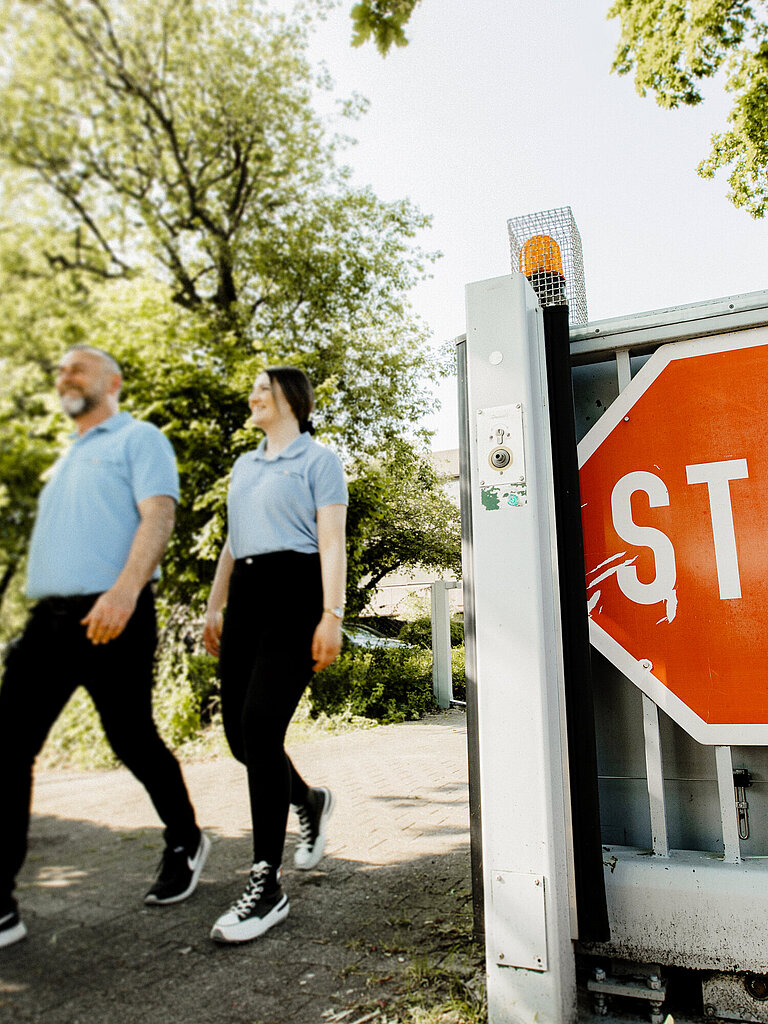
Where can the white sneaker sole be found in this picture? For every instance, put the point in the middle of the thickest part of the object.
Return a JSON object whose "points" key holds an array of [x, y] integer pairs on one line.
{"points": [[245, 931], [202, 856], [304, 861], [9, 936]]}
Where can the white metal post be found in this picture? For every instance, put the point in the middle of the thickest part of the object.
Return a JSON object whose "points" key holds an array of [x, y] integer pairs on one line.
{"points": [[442, 671], [654, 771], [728, 815], [525, 826]]}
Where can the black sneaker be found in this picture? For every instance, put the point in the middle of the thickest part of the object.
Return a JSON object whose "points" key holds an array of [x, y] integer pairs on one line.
{"points": [[262, 905], [313, 822], [179, 873], [12, 928]]}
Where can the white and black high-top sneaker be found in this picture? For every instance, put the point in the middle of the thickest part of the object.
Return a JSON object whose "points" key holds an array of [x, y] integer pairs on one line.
{"points": [[12, 928], [262, 905], [313, 822]]}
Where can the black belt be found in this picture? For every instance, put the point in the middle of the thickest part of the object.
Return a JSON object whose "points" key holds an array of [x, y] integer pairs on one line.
{"points": [[71, 605]]}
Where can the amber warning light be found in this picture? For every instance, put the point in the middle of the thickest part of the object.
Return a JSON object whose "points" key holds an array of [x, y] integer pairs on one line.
{"points": [[546, 248], [542, 263]]}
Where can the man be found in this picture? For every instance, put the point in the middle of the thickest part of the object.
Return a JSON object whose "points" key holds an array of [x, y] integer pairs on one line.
{"points": [[103, 521]]}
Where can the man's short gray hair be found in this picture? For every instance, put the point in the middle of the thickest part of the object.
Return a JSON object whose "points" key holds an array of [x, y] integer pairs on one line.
{"points": [[110, 360]]}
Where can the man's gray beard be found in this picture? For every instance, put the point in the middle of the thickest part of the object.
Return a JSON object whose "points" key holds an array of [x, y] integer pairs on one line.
{"points": [[75, 405]]}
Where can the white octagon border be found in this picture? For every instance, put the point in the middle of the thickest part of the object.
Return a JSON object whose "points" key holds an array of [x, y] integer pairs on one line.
{"points": [[734, 734]]}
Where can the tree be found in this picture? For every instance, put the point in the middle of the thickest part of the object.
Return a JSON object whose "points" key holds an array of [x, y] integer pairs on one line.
{"points": [[179, 136], [187, 213], [398, 517], [674, 45], [384, 20]]}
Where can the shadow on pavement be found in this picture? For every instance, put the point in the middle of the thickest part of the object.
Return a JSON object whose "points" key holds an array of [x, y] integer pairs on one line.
{"points": [[96, 955]]}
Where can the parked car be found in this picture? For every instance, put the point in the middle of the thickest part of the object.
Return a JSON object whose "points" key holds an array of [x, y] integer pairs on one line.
{"points": [[366, 636]]}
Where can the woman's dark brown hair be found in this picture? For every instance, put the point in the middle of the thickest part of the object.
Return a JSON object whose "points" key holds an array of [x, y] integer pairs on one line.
{"points": [[298, 393]]}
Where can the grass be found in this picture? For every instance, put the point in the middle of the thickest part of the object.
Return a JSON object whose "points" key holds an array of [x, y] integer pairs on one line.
{"points": [[432, 971], [432, 989]]}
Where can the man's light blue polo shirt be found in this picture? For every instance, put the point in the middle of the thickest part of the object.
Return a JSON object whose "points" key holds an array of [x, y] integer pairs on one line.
{"points": [[87, 515], [273, 503]]}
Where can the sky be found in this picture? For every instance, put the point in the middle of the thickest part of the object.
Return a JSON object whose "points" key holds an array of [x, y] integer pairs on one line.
{"points": [[499, 108]]}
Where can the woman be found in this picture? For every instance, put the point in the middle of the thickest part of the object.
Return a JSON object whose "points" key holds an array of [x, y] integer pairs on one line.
{"points": [[281, 575]]}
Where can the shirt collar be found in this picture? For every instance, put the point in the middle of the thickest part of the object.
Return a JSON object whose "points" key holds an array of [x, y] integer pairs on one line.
{"points": [[294, 449], [109, 425]]}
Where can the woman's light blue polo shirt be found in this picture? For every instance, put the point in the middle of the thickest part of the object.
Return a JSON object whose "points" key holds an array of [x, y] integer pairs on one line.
{"points": [[87, 515], [272, 503]]}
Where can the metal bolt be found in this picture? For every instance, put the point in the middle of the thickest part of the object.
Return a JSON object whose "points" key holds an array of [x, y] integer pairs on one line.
{"points": [[501, 956], [709, 1010], [626, 419]]}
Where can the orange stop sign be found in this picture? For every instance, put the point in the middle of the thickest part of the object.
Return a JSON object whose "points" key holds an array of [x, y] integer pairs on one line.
{"points": [[674, 492]]}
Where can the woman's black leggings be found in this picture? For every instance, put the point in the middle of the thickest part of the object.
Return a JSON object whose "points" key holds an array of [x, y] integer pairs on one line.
{"points": [[274, 605]]}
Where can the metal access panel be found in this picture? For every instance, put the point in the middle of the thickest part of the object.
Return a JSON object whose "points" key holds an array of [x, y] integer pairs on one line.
{"points": [[685, 845]]}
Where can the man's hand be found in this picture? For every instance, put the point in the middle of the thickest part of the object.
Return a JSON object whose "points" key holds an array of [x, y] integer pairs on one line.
{"points": [[326, 642], [110, 614], [212, 632], [112, 610]]}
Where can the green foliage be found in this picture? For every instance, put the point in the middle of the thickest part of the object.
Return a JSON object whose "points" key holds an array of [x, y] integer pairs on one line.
{"points": [[385, 684], [672, 46], [397, 516], [419, 632], [384, 20], [745, 146], [180, 204], [458, 673], [180, 138]]}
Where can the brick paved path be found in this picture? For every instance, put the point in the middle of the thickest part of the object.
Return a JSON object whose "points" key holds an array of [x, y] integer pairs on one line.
{"points": [[394, 885]]}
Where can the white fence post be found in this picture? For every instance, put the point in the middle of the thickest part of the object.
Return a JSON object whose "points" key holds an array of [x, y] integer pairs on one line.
{"points": [[442, 672]]}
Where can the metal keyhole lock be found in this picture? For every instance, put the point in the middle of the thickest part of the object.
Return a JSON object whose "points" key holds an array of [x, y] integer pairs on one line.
{"points": [[500, 458]]}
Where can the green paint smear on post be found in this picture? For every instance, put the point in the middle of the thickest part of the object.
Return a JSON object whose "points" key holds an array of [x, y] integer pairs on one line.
{"points": [[490, 497]]}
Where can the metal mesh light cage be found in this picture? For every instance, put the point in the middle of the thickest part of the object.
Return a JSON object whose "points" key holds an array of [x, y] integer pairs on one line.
{"points": [[546, 247]]}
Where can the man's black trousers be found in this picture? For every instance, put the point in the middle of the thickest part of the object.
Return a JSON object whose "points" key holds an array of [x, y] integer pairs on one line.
{"points": [[42, 670]]}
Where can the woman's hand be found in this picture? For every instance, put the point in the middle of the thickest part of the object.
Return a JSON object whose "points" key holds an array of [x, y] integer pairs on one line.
{"points": [[212, 632], [326, 642]]}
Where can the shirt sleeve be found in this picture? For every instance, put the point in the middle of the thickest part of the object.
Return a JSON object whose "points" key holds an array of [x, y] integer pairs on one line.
{"points": [[153, 464], [328, 484]]}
